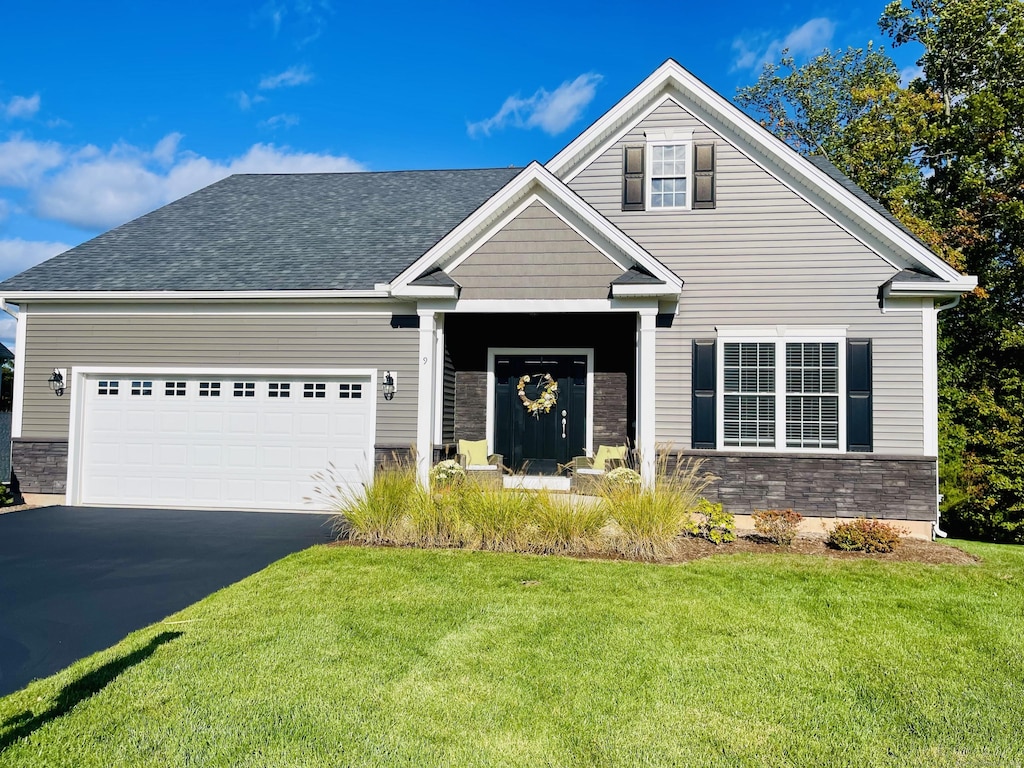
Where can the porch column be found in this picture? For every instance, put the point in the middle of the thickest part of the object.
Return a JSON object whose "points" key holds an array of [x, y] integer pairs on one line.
{"points": [[645, 362], [425, 398]]}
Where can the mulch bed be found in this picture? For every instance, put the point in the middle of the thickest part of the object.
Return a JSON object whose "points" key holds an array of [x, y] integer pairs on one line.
{"points": [[689, 549], [909, 551]]}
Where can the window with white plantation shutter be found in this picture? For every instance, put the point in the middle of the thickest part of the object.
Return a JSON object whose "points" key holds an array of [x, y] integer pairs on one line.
{"points": [[749, 394], [812, 395]]}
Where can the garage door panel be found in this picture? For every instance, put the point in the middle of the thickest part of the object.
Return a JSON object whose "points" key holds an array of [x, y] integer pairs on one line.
{"points": [[180, 447]]}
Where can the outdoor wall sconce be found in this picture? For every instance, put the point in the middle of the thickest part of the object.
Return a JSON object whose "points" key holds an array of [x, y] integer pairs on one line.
{"points": [[56, 381], [390, 385]]}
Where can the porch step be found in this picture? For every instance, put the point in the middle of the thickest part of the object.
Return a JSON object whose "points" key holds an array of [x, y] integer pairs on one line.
{"points": [[536, 482]]}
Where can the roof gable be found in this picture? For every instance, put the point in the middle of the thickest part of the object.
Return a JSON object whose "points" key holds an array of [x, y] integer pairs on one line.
{"points": [[838, 200], [533, 186]]}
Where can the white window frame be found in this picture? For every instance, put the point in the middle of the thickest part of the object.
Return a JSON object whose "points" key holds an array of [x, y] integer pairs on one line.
{"points": [[670, 139], [779, 336]]}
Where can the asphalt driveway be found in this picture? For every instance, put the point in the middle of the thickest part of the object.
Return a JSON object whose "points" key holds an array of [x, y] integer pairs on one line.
{"points": [[75, 580]]}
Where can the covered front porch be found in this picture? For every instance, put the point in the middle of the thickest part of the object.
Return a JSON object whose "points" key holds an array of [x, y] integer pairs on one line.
{"points": [[540, 387]]}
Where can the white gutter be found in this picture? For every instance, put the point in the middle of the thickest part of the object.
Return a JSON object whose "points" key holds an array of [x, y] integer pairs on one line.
{"points": [[3, 306], [936, 530]]}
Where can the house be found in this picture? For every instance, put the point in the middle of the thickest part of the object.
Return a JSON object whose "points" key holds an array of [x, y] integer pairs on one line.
{"points": [[685, 278]]}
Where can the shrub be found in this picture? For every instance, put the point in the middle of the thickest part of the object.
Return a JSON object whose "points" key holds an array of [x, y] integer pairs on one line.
{"points": [[374, 512], [648, 519], [447, 474], [778, 525], [714, 523], [863, 535], [495, 518], [565, 523], [623, 476]]}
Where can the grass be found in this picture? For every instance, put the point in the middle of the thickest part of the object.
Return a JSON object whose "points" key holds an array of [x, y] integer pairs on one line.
{"points": [[405, 657]]}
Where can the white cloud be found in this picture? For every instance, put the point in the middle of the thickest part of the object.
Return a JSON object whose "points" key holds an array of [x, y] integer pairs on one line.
{"points": [[17, 255], [551, 112], [23, 162], [756, 50], [911, 73], [281, 121], [22, 106], [289, 78], [245, 101], [98, 190]]}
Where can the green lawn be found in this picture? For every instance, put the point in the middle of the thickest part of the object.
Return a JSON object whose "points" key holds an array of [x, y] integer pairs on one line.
{"points": [[350, 657]]}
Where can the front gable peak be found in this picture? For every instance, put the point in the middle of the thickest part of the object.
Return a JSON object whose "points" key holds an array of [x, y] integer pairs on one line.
{"points": [[535, 237]]}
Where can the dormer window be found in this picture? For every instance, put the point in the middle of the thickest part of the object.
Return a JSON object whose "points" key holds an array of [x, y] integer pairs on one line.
{"points": [[669, 183]]}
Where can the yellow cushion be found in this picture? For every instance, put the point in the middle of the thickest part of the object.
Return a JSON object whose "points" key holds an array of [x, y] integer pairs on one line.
{"points": [[475, 451], [606, 452]]}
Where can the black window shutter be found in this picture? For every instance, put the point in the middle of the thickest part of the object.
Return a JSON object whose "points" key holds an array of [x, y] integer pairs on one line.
{"points": [[858, 395], [703, 175], [633, 178], [703, 416]]}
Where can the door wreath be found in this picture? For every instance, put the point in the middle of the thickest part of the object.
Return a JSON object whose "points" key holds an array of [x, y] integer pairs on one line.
{"points": [[548, 396]]}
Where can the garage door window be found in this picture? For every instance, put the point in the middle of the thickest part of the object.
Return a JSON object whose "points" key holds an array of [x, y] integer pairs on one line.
{"points": [[350, 391], [108, 388], [279, 389], [209, 389], [142, 388], [245, 389], [174, 389], [317, 389]]}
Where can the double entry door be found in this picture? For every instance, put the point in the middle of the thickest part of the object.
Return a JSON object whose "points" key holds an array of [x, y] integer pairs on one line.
{"points": [[538, 440]]}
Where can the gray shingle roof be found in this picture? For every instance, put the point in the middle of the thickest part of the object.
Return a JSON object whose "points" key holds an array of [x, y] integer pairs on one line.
{"points": [[318, 231], [636, 276], [913, 276]]}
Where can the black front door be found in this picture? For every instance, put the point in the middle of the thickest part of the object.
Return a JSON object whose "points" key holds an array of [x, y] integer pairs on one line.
{"points": [[538, 442]]}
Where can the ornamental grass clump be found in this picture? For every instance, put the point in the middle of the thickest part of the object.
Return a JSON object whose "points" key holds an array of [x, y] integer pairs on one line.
{"points": [[648, 519], [497, 518], [777, 525], [565, 524], [863, 535], [376, 511]]}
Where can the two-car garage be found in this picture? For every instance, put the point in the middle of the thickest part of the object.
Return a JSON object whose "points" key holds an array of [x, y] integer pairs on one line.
{"points": [[218, 438]]}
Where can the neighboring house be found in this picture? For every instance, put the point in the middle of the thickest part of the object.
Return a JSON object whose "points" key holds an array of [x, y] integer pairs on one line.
{"points": [[688, 280]]}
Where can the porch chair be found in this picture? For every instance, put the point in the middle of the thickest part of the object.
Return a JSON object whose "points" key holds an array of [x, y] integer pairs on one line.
{"points": [[480, 467], [588, 471]]}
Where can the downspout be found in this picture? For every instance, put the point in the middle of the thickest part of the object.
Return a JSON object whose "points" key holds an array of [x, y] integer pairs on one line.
{"points": [[938, 496], [5, 308]]}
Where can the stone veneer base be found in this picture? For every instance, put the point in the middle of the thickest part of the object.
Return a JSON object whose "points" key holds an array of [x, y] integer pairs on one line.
{"points": [[835, 486], [40, 465]]}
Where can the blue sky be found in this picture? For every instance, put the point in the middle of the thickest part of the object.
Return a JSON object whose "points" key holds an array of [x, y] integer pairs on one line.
{"points": [[106, 114]]}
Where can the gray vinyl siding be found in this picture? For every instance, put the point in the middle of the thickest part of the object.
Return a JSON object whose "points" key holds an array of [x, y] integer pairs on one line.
{"points": [[219, 341], [536, 256], [764, 256]]}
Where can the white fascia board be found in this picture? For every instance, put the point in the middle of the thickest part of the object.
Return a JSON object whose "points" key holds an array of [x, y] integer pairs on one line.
{"points": [[924, 290], [781, 331], [643, 290], [18, 297], [534, 175], [778, 154], [426, 292]]}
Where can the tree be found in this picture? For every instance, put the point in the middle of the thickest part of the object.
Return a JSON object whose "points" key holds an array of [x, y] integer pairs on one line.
{"points": [[946, 155]]}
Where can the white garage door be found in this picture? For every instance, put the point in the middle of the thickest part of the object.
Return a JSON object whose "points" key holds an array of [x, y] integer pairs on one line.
{"points": [[209, 441]]}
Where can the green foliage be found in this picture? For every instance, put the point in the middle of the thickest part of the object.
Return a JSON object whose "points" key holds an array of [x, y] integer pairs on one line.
{"points": [[376, 512], [623, 476], [647, 520], [497, 518], [447, 474], [714, 523], [778, 525], [945, 154], [6, 495], [863, 535], [565, 524]]}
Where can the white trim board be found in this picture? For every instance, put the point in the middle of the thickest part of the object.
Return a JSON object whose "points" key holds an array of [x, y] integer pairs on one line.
{"points": [[588, 439]]}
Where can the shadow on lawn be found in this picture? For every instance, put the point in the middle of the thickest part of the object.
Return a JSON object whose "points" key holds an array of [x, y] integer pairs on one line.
{"points": [[25, 723]]}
